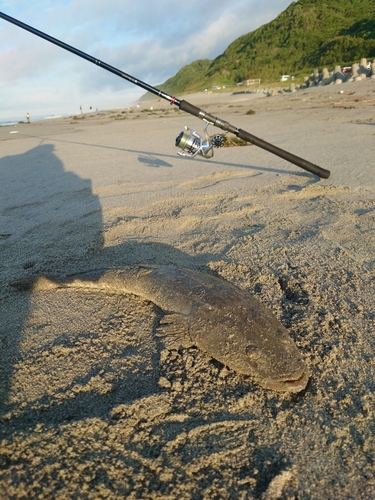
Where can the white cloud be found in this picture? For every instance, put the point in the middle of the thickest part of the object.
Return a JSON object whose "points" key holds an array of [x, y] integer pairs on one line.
{"points": [[149, 40]]}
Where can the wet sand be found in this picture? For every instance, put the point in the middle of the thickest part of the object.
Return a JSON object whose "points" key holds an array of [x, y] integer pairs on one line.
{"points": [[92, 403]]}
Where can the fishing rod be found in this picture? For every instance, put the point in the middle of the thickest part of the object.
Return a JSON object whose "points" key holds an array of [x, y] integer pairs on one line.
{"points": [[190, 142]]}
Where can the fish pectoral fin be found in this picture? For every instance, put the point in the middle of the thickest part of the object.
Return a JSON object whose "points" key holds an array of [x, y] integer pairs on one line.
{"points": [[174, 330]]}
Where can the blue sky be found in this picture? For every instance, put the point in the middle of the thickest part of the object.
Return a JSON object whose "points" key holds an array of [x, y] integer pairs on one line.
{"points": [[150, 40]]}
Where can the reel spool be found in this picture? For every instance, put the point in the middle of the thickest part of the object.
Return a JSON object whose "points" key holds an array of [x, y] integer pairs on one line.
{"points": [[192, 144]]}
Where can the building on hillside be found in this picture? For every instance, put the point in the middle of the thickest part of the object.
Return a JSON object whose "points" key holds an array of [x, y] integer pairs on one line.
{"points": [[255, 81]]}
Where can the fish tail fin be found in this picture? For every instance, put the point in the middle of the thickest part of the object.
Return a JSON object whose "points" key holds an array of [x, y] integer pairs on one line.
{"points": [[37, 283]]}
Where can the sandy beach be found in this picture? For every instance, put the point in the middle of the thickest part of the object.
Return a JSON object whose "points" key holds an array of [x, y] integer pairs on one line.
{"points": [[92, 403]]}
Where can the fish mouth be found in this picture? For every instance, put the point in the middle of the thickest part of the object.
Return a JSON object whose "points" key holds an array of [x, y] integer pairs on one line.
{"points": [[289, 384], [299, 383]]}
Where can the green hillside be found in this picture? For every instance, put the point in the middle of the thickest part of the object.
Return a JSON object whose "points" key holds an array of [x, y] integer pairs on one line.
{"points": [[187, 76], [308, 34]]}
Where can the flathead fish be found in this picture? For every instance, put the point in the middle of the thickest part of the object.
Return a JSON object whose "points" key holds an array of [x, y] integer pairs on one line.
{"points": [[227, 323]]}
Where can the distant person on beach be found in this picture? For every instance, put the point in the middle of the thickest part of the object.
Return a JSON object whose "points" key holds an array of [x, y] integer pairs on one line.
{"points": [[28, 117], [80, 108]]}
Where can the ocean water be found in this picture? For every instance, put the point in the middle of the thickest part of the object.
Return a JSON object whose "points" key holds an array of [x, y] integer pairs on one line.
{"points": [[10, 121], [13, 121]]}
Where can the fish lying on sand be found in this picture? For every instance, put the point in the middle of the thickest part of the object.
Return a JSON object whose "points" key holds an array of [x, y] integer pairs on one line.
{"points": [[224, 321]]}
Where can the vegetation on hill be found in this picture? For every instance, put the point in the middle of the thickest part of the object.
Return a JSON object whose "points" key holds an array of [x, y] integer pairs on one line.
{"points": [[308, 34], [186, 77]]}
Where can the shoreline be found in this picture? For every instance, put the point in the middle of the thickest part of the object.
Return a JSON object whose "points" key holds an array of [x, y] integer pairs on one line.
{"points": [[210, 97]]}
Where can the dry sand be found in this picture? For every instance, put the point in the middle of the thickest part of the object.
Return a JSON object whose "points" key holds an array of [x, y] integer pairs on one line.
{"points": [[93, 405]]}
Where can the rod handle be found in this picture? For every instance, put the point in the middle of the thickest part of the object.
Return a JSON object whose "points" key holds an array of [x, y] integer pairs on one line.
{"points": [[300, 162]]}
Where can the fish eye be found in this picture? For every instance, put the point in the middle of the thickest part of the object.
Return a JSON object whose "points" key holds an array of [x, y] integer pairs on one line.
{"points": [[252, 351]]}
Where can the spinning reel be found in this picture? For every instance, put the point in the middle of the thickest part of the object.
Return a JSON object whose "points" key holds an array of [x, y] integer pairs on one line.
{"points": [[192, 144]]}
